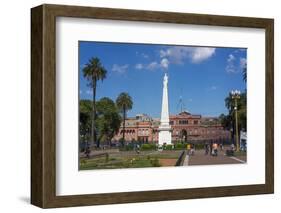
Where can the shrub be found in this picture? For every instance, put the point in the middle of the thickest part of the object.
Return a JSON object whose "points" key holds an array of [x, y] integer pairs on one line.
{"points": [[145, 147], [128, 147], [169, 147], [155, 162], [83, 161], [179, 146], [199, 146]]}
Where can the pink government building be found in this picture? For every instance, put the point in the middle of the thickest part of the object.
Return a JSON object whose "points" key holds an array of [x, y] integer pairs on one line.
{"points": [[186, 127]]}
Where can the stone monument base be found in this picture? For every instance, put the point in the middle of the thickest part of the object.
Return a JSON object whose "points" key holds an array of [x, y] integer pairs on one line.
{"points": [[165, 135]]}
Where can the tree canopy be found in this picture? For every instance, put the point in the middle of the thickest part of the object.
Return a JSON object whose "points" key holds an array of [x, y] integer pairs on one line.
{"points": [[108, 119], [85, 118], [228, 120], [94, 71], [124, 102]]}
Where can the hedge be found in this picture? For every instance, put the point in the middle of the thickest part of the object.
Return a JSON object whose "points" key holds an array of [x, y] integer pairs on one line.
{"points": [[145, 147]]}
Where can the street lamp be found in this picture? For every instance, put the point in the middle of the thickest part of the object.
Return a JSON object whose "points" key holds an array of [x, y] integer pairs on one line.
{"points": [[236, 95]]}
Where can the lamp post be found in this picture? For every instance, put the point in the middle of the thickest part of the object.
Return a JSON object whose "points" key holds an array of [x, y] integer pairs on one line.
{"points": [[236, 95]]}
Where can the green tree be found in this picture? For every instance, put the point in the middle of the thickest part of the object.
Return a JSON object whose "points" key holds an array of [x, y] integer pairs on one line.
{"points": [[124, 103], [85, 108], [229, 120], [108, 120], [225, 121], [93, 72]]}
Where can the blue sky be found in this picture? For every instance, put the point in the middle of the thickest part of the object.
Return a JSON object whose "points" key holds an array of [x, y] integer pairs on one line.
{"points": [[202, 76]]}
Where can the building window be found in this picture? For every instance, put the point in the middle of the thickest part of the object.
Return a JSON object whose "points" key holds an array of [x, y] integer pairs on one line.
{"points": [[183, 122], [195, 122], [171, 122]]}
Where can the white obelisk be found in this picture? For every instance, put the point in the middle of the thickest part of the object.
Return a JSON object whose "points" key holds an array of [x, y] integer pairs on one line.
{"points": [[165, 135]]}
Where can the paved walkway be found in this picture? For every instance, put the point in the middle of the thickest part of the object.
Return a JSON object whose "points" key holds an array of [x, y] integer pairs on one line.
{"points": [[199, 158], [186, 160]]}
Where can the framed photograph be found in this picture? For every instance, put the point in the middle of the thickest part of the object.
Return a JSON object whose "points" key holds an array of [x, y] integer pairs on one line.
{"points": [[137, 106]]}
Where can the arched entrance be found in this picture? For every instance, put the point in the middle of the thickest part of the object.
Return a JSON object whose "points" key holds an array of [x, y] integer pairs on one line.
{"points": [[183, 135]]}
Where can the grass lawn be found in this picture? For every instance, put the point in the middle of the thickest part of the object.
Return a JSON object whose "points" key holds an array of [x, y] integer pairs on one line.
{"points": [[240, 153], [127, 159]]}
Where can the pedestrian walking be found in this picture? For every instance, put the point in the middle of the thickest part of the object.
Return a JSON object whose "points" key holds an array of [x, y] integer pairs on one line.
{"points": [[221, 146], [138, 149], [192, 150], [215, 149], [232, 147], [206, 146], [188, 147]]}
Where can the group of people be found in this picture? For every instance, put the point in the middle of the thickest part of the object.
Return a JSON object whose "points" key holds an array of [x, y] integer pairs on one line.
{"points": [[212, 148]]}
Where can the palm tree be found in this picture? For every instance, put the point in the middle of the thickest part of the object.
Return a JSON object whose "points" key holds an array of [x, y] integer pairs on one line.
{"points": [[124, 103], [245, 74], [93, 72]]}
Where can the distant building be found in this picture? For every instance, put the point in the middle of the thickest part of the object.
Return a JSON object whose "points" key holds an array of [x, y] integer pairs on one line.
{"points": [[185, 128]]}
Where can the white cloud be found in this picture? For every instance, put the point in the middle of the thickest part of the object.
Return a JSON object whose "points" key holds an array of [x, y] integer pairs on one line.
{"points": [[139, 66], [120, 68], [165, 53], [179, 54], [164, 63], [231, 58], [200, 54], [235, 66], [146, 56], [175, 54], [240, 50], [152, 66], [213, 88], [230, 66]]}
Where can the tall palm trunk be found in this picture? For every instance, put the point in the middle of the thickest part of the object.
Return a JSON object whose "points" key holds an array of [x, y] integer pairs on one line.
{"points": [[124, 115]]}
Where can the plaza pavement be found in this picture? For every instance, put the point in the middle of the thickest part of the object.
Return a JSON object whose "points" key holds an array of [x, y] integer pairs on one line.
{"points": [[199, 158]]}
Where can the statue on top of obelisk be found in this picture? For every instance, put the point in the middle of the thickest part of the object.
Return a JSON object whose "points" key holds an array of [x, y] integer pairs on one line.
{"points": [[165, 80], [165, 136]]}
